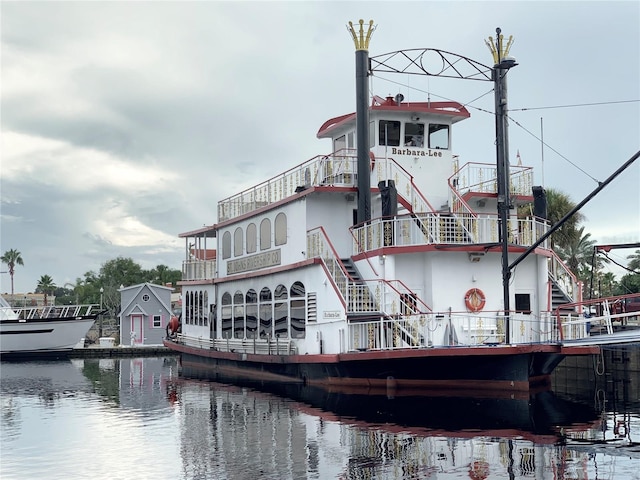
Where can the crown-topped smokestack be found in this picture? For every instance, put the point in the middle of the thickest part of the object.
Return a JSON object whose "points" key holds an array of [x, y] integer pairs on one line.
{"points": [[361, 40]]}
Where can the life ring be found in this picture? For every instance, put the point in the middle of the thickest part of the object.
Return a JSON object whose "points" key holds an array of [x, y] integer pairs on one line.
{"points": [[372, 160], [474, 300]]}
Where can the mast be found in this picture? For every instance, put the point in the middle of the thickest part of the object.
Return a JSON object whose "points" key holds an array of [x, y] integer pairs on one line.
{"points": [[502, 64], [361, 40]]}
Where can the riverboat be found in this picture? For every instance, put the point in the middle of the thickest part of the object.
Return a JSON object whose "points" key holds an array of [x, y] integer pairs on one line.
{"points": [[50, 330], [381, 265]]}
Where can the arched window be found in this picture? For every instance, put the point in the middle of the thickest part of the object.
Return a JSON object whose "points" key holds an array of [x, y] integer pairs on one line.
{"points": [[265, 234], [191, 308], [298, 310], [226, 245], [237, 242], [251, 312], [205, 308], [266, 314], [201, 310], [252, 238], [225, 316], [187, 308], [281, 312], [238, 315], [280, 227]]}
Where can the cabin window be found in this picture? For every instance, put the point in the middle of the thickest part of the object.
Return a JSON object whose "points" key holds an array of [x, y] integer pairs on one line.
{"points": [[205, 302], [281, 312], [237, 241], [225, 315], [389, 133], [213, 324], [298, 309], [351, 140], [252, 238], [265, 234], [523, 303], [339, 143], [226, 245], [201, 309], [372, 134], [238, 315], [187, 308], [266, 313], [414, 135], [251, 312], [157, 321], [280, 227], [439, 136]]}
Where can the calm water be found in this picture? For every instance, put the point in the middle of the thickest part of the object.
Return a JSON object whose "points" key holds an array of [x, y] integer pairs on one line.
{"points": [[143, 419]]}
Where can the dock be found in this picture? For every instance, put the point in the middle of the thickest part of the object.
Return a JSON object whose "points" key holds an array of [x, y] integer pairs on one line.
{"points": [[97, 351]]}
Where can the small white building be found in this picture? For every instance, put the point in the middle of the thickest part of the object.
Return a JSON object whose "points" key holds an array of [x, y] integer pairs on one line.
{"points": [[146, 310]]}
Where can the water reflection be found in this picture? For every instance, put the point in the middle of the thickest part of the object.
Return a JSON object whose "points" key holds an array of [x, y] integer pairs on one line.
{"points": [[93, 418]]}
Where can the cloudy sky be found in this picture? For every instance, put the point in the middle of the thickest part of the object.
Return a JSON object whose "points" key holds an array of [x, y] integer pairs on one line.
{"points": [[124, 123]]}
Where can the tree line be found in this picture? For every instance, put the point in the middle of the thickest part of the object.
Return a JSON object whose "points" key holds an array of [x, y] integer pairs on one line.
{"points": [[101, 288]]}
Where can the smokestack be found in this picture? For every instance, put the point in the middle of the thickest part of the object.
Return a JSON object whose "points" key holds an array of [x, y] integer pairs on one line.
{"points": [[361, 40]]}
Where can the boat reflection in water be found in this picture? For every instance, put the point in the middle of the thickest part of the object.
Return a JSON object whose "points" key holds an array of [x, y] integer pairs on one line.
{"points": [[366, 435], [81, 415]]}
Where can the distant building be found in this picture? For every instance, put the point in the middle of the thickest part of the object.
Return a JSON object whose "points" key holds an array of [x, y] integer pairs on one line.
{"points": [[146, 310], [28, 299]]}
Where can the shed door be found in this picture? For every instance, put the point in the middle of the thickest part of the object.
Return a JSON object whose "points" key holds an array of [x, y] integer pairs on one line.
{"points": [[136, 330]]}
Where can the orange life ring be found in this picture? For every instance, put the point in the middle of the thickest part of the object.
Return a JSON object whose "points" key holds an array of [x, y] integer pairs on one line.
{"points": [[474, 300]]}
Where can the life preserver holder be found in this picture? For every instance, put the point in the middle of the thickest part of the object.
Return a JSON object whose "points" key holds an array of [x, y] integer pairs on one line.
{"points": [[474, 300], [372, 160]]}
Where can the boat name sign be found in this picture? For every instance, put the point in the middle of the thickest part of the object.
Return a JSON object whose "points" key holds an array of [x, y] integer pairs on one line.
{"points": [[254, 262], [415, 153]]}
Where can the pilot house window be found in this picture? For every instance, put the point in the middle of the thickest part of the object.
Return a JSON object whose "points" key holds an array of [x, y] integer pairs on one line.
{"points": [[389, 133], [439, 136], [414, 135]]}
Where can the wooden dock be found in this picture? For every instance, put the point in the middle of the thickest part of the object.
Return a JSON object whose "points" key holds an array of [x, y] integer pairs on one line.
{"points": [[121, 352]]}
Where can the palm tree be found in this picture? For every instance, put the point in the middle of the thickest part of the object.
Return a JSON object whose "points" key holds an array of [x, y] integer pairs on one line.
{"points": [[608, 280], [558, 205], [577, 250], [634, 261], [12, 258], [46, 286]]}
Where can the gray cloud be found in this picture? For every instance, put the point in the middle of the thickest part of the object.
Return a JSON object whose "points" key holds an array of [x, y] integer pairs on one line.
{"points": [[124, 123]]}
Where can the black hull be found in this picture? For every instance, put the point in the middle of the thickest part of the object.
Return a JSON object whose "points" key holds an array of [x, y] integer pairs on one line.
{"points": [[470, 369]]}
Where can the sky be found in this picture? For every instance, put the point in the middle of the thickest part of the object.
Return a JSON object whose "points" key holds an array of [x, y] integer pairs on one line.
{"points": [[124, 123]]}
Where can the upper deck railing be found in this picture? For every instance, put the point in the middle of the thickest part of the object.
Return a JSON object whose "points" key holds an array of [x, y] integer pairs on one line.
{"points": [[482, 178], [338, 168], [436, 228]]}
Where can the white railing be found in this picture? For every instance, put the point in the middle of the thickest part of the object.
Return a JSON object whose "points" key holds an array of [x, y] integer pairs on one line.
{"points": [[564, 278], [238, 345], [338, 168], [319, 246], [49, 312], [481, 178], [426, 330], [436, 228], [198, 269]]}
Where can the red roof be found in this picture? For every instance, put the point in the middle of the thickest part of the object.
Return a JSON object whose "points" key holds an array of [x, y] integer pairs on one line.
{"points": [[452, 109]]}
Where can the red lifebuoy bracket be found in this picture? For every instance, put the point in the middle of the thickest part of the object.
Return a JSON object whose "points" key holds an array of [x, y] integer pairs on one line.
{"points": [[372, 159], [474, 300]]}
